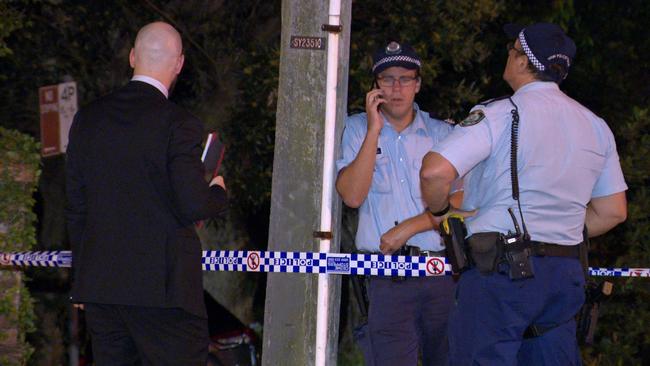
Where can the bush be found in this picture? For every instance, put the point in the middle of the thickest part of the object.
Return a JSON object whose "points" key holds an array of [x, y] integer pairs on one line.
{"points": [[19, 171]]}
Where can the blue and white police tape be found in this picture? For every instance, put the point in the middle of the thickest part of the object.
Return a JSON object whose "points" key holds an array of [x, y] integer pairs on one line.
{"points": [[303, 262], [58, 258], [330, 263]]}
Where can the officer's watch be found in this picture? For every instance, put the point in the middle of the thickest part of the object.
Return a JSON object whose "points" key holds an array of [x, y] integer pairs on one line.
{"points": [[441, 212]]}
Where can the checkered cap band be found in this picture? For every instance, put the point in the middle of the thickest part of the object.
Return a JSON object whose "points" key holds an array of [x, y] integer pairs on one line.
{"points": [[529, 53], [398, 58]]}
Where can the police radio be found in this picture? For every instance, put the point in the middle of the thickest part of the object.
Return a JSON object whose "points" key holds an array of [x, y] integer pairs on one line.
{"points": [[516, 247], [517, 252]]}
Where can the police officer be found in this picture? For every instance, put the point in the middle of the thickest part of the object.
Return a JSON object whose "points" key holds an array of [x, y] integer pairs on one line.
{"points": [[518, 306], [382, 153]]}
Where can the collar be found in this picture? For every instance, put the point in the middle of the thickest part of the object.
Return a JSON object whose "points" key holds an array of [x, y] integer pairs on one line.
{"points": [[153, 82], [538, 85], [416, 126]]}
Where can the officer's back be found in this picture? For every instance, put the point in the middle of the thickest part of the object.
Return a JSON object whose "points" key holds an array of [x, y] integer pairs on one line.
{"points": [[562, 150], [538, 167]]}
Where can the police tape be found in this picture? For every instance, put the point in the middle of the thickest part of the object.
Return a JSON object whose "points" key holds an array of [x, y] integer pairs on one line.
{"points": [[280, 262], [303, 262]]}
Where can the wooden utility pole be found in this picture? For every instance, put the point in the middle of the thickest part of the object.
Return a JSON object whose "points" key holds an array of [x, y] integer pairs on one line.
{"points": [[290, 312]]}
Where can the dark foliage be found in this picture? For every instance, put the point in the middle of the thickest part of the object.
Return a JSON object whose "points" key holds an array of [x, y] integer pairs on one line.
{"points": [[230, 81]]}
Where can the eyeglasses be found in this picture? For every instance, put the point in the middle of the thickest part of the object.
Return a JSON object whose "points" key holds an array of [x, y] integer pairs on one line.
{"points": [[511, 46], [389, 81]]}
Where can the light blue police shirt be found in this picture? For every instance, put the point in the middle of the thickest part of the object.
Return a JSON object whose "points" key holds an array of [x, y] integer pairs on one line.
{"points": [[394, 194], [566, 156]]}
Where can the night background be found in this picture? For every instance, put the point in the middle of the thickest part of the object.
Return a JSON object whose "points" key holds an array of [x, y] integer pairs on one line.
{"points": [[230, 81]]}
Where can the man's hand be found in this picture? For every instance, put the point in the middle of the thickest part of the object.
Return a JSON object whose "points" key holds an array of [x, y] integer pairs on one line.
{"points": [[437, 220], [79, 306], [218, 180], [374, 98], [395, 238]]}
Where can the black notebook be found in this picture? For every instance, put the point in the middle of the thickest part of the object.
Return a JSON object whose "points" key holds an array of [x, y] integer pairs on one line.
{"points": [[213, 154]]}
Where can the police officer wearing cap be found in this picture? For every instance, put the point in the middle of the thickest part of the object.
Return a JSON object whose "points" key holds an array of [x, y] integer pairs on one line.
{"points": [[382, 152], [538, 167]]}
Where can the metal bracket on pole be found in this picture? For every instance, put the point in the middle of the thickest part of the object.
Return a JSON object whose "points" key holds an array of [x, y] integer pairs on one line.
{"points": [[323, 235], [332, 28]]}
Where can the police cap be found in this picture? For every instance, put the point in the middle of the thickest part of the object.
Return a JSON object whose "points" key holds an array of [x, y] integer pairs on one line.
{"points": [[545, 44], [395, 54]]}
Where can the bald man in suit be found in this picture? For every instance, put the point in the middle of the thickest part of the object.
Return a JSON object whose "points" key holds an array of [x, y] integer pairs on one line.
{"points": [[135, 186]]}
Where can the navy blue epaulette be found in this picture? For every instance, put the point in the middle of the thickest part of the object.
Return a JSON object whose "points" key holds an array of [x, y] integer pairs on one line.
{"points": [[486, 102]]}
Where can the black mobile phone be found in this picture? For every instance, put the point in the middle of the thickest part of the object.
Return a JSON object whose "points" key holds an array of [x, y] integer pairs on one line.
{"points": [[375, 85]]}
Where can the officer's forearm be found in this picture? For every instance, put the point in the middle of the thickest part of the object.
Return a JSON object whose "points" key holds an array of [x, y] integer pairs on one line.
{"points": [[604, 213], [436, 177], [418, 224], [353, 182], [425, 221]]}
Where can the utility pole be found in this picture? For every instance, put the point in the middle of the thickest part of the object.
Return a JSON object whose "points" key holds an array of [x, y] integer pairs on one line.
{"points": [[302, 191]]}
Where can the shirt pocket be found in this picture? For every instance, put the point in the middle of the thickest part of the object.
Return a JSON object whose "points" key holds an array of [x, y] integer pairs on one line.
{"points": [[381, 175]]}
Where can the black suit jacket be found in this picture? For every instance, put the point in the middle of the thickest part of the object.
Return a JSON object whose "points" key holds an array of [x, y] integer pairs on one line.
{"points": [[135, 185]]}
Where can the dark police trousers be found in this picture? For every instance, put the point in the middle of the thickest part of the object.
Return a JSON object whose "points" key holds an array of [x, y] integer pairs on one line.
{"points": [[407, 317], [492, 312], [137, 335]]}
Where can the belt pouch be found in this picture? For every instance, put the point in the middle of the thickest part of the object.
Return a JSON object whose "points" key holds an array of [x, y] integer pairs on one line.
{"points": [[485, 251], [453, 233]]}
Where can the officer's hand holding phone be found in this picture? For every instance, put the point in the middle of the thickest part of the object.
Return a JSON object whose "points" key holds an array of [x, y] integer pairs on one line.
{"points": [[374, 99]]}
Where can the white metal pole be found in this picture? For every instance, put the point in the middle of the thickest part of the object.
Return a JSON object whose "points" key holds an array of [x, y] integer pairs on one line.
{"points": [[322, 312]]}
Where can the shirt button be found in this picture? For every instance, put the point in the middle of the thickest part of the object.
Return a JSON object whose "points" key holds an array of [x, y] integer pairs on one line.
{"points": [[399, 137], [400, 159], [402, 180]]}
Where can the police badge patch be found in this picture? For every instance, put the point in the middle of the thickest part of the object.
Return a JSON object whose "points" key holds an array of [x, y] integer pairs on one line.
{"points": [[473, 118]]}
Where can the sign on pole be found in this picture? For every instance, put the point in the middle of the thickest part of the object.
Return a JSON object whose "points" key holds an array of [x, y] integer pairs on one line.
{"points": [[58, 105]]}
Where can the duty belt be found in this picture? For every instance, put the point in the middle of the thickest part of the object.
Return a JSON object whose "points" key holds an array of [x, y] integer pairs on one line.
{"points": [[414, 251], [542, 249], [411, 251]]}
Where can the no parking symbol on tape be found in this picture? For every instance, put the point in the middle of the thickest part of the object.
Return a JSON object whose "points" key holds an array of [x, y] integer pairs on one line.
{"points": [[5, 259], [253, 261], [435, 267]]}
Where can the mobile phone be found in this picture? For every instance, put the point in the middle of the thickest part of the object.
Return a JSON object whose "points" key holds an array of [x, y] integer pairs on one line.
{"points": [[375, 85]]}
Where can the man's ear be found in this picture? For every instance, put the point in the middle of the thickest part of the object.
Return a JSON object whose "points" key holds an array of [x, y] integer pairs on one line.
{"points": [[522, 63], [418, 84], [179, 63], [132, 58]]}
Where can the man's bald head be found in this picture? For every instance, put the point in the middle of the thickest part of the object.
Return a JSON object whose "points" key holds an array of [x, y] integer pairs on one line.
{"points": [[158, 52]]}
